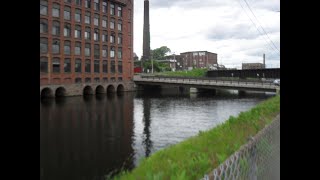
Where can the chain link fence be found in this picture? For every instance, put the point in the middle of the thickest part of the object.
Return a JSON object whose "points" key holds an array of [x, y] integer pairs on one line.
{"points": [[258, 159]]}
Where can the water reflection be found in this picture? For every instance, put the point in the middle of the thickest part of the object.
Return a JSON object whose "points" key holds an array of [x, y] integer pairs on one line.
{"points": [[146, 130], [96, 136], [85, 139]]}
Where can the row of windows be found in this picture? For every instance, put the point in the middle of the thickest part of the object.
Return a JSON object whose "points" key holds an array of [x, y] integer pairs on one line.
{"points": [[77, 49], [77, 32], [56, 8], [105, 79], [56, 67]]}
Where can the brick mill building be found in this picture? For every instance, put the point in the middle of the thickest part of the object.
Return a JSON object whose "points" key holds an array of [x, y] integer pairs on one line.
{"points": [[86, 46], [198, 59]]}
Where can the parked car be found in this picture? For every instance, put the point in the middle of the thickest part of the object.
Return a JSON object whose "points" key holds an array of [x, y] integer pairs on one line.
{"points": [[276, 82]]}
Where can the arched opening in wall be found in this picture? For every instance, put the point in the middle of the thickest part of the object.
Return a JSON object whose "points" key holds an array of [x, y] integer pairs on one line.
{"points": [[120, 88], [61, 92], [46, 93], [100, 90], [87, 90], [110, 89]]}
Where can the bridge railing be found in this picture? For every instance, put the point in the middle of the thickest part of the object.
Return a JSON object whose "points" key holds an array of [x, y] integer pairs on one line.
{"points": [[208, 79]]}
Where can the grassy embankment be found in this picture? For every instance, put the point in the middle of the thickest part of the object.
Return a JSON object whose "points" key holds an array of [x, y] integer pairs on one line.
{"points": [[191, 73], [198, 155]]}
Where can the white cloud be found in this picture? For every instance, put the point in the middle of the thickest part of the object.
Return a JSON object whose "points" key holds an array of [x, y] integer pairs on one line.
{"points": [[222, 27]]}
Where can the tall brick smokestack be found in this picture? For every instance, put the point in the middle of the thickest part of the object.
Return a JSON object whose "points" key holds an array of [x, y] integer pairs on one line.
{"points": [[146, 32]]}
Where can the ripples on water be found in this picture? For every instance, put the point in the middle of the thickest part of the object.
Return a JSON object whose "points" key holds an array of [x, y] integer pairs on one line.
{"points": [[91, 136]]}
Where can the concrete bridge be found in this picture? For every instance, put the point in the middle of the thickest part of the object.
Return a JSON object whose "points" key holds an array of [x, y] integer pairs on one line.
{"points": [[206, 83]]}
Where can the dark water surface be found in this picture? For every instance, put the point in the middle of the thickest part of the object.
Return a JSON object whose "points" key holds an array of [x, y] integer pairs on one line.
{"points": [[89, 137]]}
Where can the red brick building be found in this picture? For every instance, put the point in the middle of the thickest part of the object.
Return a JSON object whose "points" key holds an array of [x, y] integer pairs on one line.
{"points": [[198, 59], [86, 41]]}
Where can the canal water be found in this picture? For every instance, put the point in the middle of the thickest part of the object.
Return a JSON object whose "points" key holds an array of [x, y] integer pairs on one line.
{"points": [[95, 137]]}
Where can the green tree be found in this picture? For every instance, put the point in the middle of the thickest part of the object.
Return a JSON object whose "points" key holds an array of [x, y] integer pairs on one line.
{"points": [[159, 53]]}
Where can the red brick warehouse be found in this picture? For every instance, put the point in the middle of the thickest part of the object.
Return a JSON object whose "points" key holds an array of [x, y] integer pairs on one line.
{"points": [[86, 46]]}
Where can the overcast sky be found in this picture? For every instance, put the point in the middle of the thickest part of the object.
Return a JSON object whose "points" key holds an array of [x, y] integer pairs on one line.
{"points": [[218, 26]]}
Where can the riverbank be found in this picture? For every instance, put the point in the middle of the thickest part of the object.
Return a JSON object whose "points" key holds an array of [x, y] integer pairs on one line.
{"points": [[196, 156]]}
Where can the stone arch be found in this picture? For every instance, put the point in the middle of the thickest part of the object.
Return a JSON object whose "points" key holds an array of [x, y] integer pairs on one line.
{"points": [[60, 92], [100, 90], [87, 90], [110, 89], [46, 92], [120, 88]]}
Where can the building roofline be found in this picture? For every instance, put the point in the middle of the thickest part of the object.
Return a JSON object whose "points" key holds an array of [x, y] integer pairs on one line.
{"points": [[197, 51]]}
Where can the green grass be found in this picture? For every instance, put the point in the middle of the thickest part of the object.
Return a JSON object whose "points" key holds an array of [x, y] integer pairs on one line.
{"points": [[198, 155], [191, 73]]}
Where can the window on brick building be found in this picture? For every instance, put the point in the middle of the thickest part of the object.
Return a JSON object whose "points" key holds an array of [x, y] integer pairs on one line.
{"points": [[87, 3], [96, 5], [87, 50], [67, 30], [56, 28], [119, 53], [119, 11], [96, 35], [87, 33], [77, 48], [112, 9], [67, 1], [67, 13], [67, 65], [67, 47], [88, 80], [112, 38], [87, 18], [105, 51], [105, 67], [77, 65], [112, 52], [78, 80], [44, 64], [112, 23], [113, 67], [104, 36], [96, 20], [78, 2], [77, 15], [104, 6], [96, 66], [119, 39], [96, 51], [104, 22], [77, 32], [120, 67], [119, 25], [55, 10], [87, 67], [43, 26], [44, 7], [96, 79], [56, 65], [55, 46]]}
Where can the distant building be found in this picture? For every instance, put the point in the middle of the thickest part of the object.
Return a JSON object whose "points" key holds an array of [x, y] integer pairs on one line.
{"points": [[198, 59], [135, 57], [174, 61], [253, 66]]}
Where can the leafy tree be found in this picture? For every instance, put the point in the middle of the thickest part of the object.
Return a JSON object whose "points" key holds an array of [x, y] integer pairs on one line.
{"points": [[159, 53]]}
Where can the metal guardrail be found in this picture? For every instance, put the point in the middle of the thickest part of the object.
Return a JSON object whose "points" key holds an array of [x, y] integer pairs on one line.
{"points": [[205, 79]]}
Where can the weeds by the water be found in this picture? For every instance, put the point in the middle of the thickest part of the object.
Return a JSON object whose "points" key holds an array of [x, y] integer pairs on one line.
{"points": [[198, 155]]}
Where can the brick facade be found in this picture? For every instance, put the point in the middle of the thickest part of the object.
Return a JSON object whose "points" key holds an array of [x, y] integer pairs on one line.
{"points": [[61, 68], [198, 59]]}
